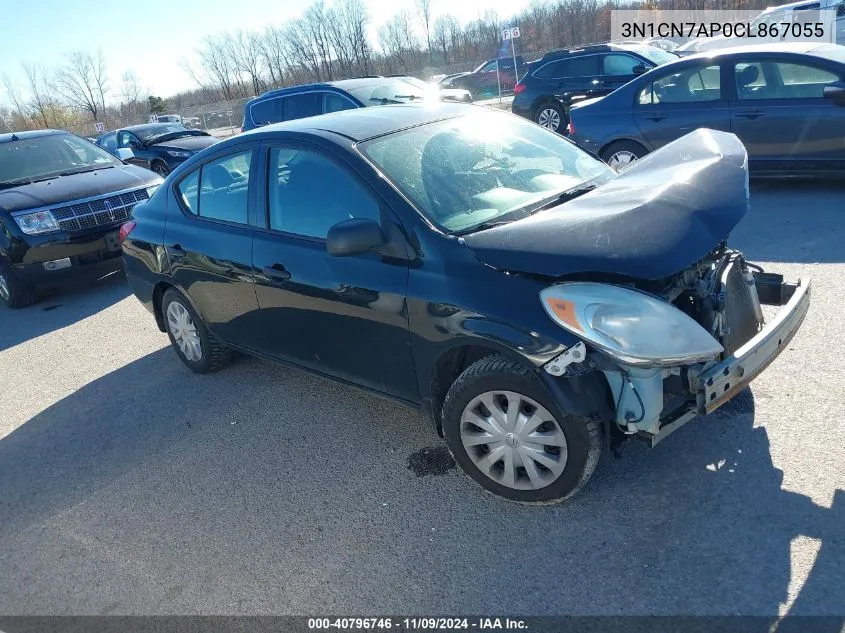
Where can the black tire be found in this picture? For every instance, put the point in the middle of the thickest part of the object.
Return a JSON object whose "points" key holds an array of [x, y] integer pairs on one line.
{"points": [[13, 292], [544, 117], [214, 355], [498, 372], [160, 168], [620, 147]]}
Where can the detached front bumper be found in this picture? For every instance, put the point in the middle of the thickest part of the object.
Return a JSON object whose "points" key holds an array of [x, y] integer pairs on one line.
{"points": [[723, 381]]}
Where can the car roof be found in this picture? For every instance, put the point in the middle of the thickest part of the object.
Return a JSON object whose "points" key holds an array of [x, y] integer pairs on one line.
{"points": [[16, 136], [359, 124], [340, 84], [806, 48]]}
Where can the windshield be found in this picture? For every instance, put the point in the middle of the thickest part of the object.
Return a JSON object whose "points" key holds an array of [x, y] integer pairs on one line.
{"points": [[393, 91], [656, 55], [470, 171], [49, 156]]}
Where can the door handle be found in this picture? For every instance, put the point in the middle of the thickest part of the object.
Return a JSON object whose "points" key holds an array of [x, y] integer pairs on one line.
{"points": [[750, 114], [655, 117], [276, 272]]}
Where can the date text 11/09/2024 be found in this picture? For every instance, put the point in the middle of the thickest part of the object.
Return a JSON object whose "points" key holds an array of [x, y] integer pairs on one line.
{"points": [[416, 624]]}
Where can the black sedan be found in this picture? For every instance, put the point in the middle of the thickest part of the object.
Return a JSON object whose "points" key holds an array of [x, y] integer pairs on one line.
{"points": [[533, 303], [160, 147], [785, 102]]}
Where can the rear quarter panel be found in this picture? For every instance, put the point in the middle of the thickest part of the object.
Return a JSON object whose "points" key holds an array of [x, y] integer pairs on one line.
{"points": [[611, 119], [144, 258]]}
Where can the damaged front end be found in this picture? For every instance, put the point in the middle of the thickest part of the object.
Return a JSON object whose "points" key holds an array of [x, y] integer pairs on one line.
{"points": [[655, 395]]}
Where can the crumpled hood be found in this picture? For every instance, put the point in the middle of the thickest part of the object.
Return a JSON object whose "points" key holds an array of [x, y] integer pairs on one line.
{"points": [[664, 213]]}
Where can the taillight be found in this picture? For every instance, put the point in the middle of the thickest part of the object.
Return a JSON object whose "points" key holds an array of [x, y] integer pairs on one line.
{"points": [[125, 229], [519, 87]]}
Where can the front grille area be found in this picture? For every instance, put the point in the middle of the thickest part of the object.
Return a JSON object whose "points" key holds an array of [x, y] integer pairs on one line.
{"points": [[105, 211]]}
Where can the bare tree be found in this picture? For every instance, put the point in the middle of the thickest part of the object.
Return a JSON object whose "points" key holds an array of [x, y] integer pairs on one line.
{"points": [[131, 92], [424, 12], [397, 40], [248, 59], [83, 82], [39, 90], [17, 102]]}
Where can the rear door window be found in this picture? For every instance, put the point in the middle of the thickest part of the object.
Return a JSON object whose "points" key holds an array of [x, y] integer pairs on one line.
{"points": [[552, 70], [335, 103], [584, 66], [109, 142], [219, 190], [267, 111], [303, 105]]}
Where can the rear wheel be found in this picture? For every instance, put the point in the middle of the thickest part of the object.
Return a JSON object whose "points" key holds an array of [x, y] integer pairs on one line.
{"points": [[13, 292], [195, 345], [506, 432], [551, 117], [622, 154]]}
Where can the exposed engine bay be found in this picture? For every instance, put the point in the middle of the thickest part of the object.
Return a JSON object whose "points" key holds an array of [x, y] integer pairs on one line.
{"points": [[723, 293]]}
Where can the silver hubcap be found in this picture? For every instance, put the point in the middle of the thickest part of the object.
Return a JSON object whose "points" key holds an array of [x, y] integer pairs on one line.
{"points": [[549, 118], [184, 332], [4, 288], [161, 170], [622, 160], [513, 440]]}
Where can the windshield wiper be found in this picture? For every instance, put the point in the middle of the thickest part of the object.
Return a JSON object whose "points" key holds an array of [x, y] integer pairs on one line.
{"points": [[489, 224], [383, 100], [84, 170], [566, 196]]}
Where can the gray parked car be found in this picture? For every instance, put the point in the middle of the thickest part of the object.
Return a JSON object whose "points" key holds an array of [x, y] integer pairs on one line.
{"points": [[786, 103]]}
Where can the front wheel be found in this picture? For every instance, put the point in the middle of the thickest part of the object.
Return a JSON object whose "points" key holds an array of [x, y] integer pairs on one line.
{"points": [[506, 432], [14, 292], [622, 154]]}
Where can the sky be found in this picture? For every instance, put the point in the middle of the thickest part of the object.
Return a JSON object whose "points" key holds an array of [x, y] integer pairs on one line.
{"points": [[151, 39]]}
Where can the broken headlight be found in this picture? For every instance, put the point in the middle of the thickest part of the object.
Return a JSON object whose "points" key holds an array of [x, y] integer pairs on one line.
{"points": [[633, 327]]}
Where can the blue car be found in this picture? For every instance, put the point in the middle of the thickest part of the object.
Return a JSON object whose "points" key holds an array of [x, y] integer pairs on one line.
{"points": [[160, 147], [299, 102], [564, 77], [785, 102]]}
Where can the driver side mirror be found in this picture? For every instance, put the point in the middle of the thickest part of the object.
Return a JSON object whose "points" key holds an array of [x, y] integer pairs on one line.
{"points": [[354, 237], [124, 153], [836, 92], [639, 69]]}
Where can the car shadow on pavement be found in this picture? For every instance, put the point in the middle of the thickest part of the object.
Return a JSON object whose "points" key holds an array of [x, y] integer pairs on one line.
{"points": [[61, 306], [262, 489], [799, 221]]}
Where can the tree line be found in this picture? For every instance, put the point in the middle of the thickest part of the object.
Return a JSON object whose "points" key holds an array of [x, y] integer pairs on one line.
{"points": [[328, 41]]}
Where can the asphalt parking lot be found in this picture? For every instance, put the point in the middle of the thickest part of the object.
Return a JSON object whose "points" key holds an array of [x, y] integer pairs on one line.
{"points": [[130, 485]]}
